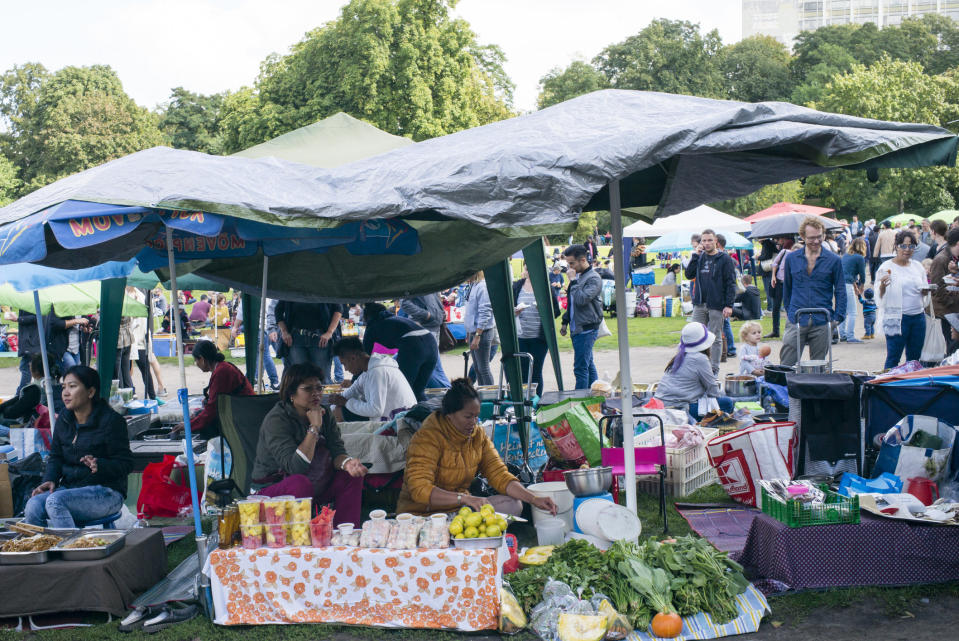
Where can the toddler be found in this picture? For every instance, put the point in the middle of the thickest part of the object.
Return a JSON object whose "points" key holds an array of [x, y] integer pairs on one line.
{"points": [[868, 312], [752, 355]]}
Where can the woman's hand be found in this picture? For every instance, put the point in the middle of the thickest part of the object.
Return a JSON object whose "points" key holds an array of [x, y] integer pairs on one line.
{"points": [[90, 462], [315, 416], [544, 503], [179, 427], [46, 486], [475, 342], [337, 399], [355, 468], [474, 502], [287, 338]]}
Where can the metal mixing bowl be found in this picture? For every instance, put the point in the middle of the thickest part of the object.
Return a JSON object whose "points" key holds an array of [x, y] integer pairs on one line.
{"points": [[589, 482]]}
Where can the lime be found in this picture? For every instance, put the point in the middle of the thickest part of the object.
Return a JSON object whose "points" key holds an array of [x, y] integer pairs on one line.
{"points": [[492, 530], [465, 511], [456, 528], [474, 520], [471, 533], [502, 523], [460, 536]]}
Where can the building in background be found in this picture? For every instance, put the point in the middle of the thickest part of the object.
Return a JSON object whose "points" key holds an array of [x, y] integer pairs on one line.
{"points": [[784, 19]]}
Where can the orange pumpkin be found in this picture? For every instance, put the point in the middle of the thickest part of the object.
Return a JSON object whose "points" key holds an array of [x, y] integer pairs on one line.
{"points": [[667, 625]]}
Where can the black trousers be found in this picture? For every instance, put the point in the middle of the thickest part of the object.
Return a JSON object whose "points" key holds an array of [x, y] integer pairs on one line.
{"points": [[123, 367], [143, 363], [777, 305], [417, 358], [538, 349]]}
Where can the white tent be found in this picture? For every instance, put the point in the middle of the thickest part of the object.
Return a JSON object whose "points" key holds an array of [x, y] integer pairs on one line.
{"points": [[693, 221]]}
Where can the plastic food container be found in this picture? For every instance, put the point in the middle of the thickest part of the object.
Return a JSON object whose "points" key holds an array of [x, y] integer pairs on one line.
{"points": [[300, 534], [274, 511], [251, 536], [321, 534], [299, 510], [548, 532], [249, 512], [275, 535]]}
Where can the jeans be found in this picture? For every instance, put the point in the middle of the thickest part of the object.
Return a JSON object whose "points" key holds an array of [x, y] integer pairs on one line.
{"points": [[911, 338], [25, 376], [70, 508], [768, 288], [848, 328], [725, 404], [438, 378], [337, 370], [69, 360], [869, 323], [584, 368], [537, 348], [816, 336], [481, 357], [268, 365], [730, 340], [322, 357], [713, 320]]}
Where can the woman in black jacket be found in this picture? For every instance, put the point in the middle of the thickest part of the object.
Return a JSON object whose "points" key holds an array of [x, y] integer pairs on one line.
{"points": [[86, 475], [532, 338]]}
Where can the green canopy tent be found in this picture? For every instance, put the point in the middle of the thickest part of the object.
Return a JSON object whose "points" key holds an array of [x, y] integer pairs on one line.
{"points": [[149, 280], [77, 299]]}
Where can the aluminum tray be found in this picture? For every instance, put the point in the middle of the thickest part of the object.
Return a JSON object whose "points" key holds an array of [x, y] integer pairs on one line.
{"points": [[24, 558], [116, 538], [478, 543]]}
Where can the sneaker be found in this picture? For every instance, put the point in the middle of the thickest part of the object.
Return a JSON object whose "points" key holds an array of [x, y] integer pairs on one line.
{"points": [[275, 387], [772, 335], [842, 339], [853, 340], [163, 392], [170, 616]]}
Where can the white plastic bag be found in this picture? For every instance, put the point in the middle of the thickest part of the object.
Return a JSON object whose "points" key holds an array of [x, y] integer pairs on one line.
{"points": [[934, 347], [603, 330]]}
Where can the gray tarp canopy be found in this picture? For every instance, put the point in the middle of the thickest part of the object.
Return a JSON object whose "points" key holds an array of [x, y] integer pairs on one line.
{"points": [[481, 193]]}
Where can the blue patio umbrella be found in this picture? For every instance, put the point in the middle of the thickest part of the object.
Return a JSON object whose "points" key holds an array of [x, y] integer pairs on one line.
{"points": [[680, 241], [153, 237]]}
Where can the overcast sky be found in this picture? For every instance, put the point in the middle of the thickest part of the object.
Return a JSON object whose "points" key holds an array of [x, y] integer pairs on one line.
{"points": [[209, 46]]}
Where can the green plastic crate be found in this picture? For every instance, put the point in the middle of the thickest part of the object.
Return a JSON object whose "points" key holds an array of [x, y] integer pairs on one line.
{"points": [[837, 509]]}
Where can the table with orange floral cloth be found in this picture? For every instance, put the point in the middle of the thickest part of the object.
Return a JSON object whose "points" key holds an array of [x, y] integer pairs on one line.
{"points": [[451, 588]]}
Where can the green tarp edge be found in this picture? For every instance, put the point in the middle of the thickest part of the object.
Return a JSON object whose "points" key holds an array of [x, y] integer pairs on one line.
{"points": [[112, 293], [535, 256]]}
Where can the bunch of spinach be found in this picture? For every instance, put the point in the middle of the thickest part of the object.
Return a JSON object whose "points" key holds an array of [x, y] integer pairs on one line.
{"points": [[702, 579], [576, 563]]}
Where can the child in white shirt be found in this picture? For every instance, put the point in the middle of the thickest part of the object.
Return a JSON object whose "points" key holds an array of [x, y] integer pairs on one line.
{"points": [[752, 355]]}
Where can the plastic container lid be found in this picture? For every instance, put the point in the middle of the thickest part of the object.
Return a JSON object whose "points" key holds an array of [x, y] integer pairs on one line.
{"points": [[618, 524]]}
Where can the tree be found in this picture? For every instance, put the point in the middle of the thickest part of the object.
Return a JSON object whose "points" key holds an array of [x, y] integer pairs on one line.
{"points": [[405, 66], [575, 80], [788, 192], [191, 121], [668, 55], [9, 183], [890, 90], [756, 69], [585, 225], [74, 119]]}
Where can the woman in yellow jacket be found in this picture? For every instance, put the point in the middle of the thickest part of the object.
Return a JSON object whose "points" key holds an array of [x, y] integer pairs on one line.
{"points": [[445, 455]]}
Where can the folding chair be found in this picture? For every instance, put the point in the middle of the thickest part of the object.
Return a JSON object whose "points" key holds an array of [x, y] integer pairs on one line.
{"points": [[240, 420], [650, 461]]}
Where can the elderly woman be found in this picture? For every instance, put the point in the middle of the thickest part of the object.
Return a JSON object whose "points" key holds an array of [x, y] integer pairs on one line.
{"points": [[445, 455], [689, 375], [301, 452], [225, 378], [901, 283], [86, 474]]}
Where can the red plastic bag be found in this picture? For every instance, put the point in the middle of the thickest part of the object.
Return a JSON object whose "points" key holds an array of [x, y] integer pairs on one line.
{"points": [[654, 404], [159, 494]]}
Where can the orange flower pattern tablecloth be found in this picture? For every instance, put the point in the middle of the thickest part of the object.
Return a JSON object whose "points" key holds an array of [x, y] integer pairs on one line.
{"points": [[452, 588]]}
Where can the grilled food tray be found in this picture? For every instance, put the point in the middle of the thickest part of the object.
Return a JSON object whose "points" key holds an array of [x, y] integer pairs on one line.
{"points": [[116, 540], [25, 558]]}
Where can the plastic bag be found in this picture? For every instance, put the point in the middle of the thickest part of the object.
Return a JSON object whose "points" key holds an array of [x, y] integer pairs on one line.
{"points": [[435, 534], [159, 494], [934, 347], [404, 534], [375, 533], [618, 626], [512, 620]]}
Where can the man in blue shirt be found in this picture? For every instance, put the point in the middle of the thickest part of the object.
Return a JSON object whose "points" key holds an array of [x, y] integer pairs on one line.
{"points": [[813, 277]]}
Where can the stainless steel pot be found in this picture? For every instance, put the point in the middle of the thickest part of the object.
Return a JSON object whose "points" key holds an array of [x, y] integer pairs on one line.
{"points": [[814, 367], [739, 386]]}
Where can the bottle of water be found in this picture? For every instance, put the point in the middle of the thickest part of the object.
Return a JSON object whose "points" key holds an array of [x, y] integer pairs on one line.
{"points": [[141, 521]]}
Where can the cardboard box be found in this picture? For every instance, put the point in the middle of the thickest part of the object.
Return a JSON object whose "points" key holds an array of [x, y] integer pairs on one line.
{"points": [[6, 492]]}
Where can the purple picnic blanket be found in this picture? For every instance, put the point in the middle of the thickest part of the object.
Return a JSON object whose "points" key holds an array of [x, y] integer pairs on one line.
{"points": [[876, 551]]}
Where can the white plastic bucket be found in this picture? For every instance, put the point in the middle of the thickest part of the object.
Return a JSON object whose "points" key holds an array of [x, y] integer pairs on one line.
{"points": [[551, 532], [630, 304], [607, 520], [561, 496]]}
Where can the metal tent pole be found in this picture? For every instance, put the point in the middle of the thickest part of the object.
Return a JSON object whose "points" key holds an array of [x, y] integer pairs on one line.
{"points": [[184, 397], [622, 335], [47, 380], [264, 346]]}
